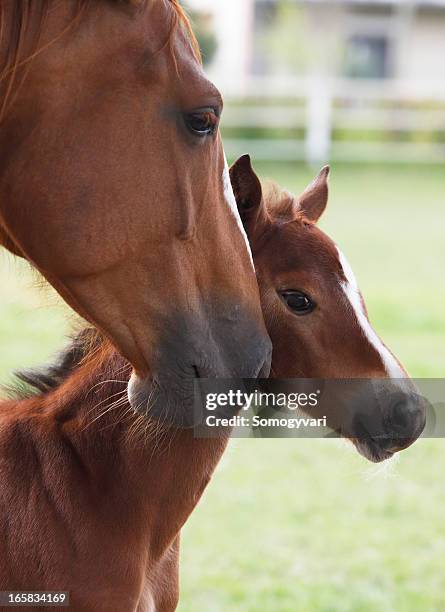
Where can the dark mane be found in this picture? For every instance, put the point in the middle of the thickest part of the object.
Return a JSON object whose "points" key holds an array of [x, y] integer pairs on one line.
{"points": [[17, 50], [41, 381]]}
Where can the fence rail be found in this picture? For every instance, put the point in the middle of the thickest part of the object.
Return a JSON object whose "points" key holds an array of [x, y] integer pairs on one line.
{"points": [[317, 120]]}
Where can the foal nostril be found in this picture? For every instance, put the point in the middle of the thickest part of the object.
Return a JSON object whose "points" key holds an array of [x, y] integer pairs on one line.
{"points": [[407, 420], [401, 416]]}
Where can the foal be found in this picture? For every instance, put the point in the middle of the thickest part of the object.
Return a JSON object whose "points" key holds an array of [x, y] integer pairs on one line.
{"points": [[316, 315], [93, 497]]}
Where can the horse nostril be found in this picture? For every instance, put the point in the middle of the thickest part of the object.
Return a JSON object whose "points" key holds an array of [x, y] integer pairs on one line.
{"points": [[263, 370]]}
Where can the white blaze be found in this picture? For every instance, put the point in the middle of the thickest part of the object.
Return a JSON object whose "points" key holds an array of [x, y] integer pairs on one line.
{"points": [[352, 292], [231, 201]]}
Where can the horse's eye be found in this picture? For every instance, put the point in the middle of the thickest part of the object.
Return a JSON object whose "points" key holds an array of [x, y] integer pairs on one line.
{"points": [[202, 122], [298, 302]]}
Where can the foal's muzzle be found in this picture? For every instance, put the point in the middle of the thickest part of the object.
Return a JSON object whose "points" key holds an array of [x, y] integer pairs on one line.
{"points": [[395, 421]]}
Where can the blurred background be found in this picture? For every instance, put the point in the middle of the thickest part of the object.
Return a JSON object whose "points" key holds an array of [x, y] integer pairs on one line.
{"points": [[308, 525], [349, 80]]}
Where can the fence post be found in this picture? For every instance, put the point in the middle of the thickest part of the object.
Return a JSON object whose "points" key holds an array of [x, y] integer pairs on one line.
{"points": [[319, 120]]}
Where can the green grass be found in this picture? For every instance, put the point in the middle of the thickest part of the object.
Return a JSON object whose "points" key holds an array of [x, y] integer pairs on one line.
{"points": [[33, 322], [308, 525]]}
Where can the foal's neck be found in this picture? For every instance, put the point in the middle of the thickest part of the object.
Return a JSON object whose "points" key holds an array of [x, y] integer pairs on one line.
{"points": [[152, 477]]}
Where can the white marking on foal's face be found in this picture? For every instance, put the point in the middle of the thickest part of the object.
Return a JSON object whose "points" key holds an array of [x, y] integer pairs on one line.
{"points": [[352, 292], [231, 201]]}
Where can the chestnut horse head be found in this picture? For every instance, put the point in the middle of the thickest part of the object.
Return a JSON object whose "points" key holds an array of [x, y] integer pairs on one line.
{"points": [[315, 313], [114, 185]]}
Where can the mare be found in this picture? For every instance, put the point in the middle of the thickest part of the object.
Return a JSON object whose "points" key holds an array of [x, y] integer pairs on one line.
{"points": [[317, 319], [114, 186], [93, 496]]}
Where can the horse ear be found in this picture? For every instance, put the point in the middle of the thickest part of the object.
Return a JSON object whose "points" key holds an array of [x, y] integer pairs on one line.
{"points": [[246, 187], [314, 199]]}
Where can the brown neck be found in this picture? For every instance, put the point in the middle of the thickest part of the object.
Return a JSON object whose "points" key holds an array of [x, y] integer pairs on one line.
{"points": [[117, 468]]}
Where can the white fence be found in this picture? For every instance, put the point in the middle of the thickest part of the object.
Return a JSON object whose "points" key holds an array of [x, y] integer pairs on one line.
{"points": [[343, 120]]}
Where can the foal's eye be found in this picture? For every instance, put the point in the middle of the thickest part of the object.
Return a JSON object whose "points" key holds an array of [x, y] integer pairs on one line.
{"points": [[298, 302], [203, 122]]}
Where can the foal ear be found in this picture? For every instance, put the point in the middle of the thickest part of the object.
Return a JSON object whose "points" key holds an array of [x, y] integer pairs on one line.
{"points": [[246, 187], [314, 199]]}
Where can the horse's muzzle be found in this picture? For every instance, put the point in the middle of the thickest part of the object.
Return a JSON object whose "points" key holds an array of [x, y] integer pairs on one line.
{"points": [[230, 349]]}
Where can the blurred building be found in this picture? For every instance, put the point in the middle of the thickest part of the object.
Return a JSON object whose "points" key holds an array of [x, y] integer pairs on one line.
{"points": [[335, 54]]}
